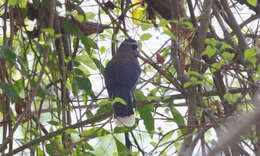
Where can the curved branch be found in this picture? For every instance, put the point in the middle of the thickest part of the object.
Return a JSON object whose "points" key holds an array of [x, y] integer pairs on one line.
{"points": [[58, 132]]}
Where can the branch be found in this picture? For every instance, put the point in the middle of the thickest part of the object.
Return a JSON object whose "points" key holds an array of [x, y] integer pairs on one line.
{"points": [[256, 9], [58, 132], [162, 72], [194, 96], [87, 28], [163, 8], [237, 128], [234, 25], [36, 87]]}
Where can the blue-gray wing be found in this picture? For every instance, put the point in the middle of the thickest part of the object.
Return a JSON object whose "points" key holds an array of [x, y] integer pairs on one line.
{"points": [[122, 73]]}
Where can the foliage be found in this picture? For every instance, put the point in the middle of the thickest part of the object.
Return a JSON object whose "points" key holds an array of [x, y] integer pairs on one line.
{"points": [[199, 85]]}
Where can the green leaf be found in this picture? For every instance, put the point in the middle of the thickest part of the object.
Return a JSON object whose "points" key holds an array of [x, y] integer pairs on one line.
{"points": [[117, 99], [194, 80], [102, 49], [124, 129], [83, 83], [82, 71], [249, 53], [22, 3], [80, 18], [70, 83], [92, 43], [49, 31], [85, 59], [103, 102], [167, 32], [145, 36], [194, 73], [139, 95], [189, 24], [7, 54], [35, 132], [146, 26], [51, 148], [252, 2], [9, 91], [149, 98], [212, 42], [226, 46], [187, 84], [104, 109], [23, 69], [178, 118], [146, 115], [70, 131], [95, 131], [154, 144], [12, 2], [231, 98], [90, 15], [88, 43], [216, 65], [121, 148], [228, 55], [40, 152], [69, 28], [89, 147], [18, 85], [89, 114], [163, 22], [210, 51], [55, 123], [167, 137], [252, 60], [99, 65]]}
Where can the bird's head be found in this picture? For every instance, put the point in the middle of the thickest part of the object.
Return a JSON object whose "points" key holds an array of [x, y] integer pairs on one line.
{"points": [[128, 45]]}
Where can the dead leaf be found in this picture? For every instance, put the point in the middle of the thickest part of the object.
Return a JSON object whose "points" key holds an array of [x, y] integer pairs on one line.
{"points": [[159, 58]]}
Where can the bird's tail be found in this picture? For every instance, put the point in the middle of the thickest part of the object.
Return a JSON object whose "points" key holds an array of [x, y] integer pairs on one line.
{"points": [[124, 113]]}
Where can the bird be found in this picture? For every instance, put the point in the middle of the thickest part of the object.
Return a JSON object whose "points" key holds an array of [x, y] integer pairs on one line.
{"points": [[121, 76]]}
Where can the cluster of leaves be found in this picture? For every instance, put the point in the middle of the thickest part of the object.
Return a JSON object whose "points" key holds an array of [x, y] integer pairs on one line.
{"points": [[51, 92]]}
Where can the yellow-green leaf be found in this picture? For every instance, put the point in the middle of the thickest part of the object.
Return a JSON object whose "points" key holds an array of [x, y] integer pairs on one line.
{"points": [[252, 2], [249, 53], [145, 36], [121, 148], [117, 99], [12, 2], [137, 13]]}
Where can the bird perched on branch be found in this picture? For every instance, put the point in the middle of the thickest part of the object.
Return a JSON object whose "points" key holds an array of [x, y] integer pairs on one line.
{"points": [[121, 77]]}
